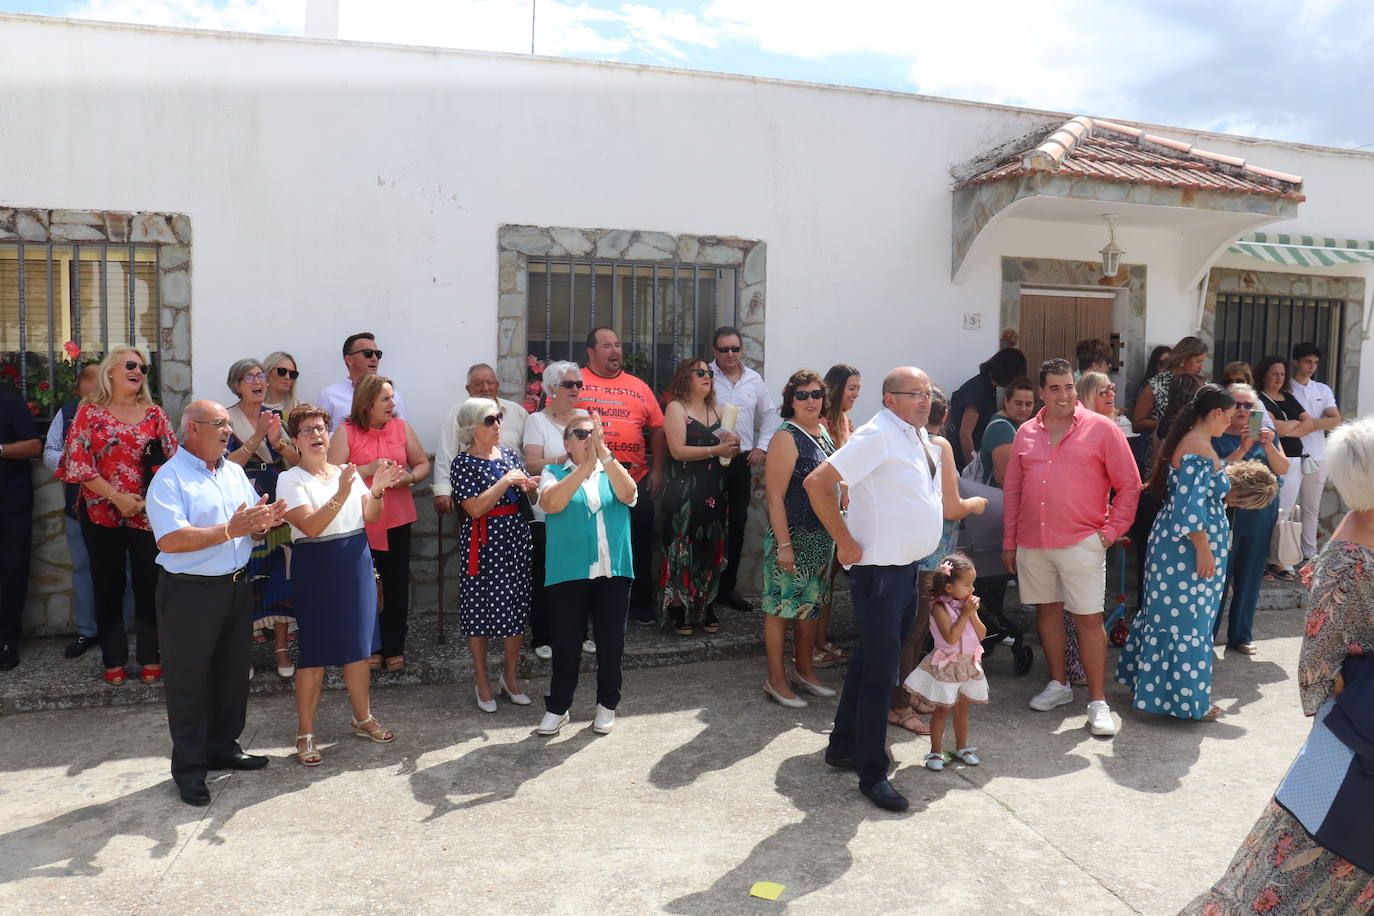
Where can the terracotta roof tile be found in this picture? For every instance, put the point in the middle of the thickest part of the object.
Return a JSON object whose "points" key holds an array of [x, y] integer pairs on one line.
{"points": [[1115, 152]]}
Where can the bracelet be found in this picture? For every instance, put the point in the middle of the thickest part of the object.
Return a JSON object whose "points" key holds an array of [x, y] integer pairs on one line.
{"points": [[708, 452], [788, 544], [334, 504], [226, 532]]}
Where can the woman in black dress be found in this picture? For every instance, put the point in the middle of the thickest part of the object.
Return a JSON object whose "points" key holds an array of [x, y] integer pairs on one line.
{"points": [[495, 544], [1291, 423], [694, 506]]}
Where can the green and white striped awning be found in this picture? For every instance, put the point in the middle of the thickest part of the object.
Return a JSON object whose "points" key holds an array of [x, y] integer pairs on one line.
{"points": [[1303, 250]]}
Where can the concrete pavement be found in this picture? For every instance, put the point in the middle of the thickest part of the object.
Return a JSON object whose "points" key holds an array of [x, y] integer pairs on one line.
{"points": [[704, 788]]}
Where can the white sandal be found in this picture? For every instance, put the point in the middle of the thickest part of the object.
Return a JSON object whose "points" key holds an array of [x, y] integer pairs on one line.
{"points": [[288, 669], [310, 754], [935, 761], [381, 735], [968, 756]]}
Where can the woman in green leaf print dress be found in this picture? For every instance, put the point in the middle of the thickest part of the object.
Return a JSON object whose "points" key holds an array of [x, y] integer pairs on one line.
{"points": [[694, 506]]}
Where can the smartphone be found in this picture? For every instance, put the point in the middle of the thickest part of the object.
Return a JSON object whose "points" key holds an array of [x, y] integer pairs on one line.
{"points": [[1256, 421]]}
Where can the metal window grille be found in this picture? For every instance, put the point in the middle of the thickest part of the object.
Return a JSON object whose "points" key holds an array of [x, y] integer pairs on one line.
{"points": [[94, 295], [1251, 327], [663, 313]]}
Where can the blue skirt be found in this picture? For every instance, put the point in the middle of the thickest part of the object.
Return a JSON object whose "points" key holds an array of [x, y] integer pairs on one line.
{"points": [[334, 595]]}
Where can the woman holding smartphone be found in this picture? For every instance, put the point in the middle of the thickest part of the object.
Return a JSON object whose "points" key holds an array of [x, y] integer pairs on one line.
{"points": [[1246, 439]]}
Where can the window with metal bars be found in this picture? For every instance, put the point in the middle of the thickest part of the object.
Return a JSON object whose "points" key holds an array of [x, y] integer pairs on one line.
{"points": [[1250, 327], [663, 313], [62, 305]]}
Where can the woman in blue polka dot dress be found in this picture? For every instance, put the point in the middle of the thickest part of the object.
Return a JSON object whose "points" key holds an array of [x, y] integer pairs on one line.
{"points": [[1167, 659]]}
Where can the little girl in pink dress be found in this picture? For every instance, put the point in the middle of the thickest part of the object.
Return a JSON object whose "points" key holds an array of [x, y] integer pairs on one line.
{"points": [[952, 675]]}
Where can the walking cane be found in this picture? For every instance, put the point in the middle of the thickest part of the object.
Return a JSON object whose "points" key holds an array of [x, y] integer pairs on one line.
{"points": [[441, 580]]}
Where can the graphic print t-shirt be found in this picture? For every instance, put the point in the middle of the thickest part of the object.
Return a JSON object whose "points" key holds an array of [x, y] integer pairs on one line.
{"points": [[628, 411]]}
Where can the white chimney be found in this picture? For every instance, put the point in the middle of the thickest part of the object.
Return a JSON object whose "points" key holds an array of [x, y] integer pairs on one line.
{"points": [[321, 18]]}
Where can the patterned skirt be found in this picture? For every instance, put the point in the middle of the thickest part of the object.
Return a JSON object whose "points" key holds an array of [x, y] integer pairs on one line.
{"points": [[802, 594], [943, 682], [269, 570]]}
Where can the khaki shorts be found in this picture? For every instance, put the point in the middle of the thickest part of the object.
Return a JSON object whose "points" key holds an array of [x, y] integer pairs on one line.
{"points": [[1075, 575]]}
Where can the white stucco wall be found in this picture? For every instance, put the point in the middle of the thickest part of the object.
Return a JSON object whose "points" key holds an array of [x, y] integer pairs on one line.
{"points": [[336, 187]]}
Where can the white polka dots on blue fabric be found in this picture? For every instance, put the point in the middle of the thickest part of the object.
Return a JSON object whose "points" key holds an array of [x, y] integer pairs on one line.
{"points": [[496, 602], [1167, 657]]}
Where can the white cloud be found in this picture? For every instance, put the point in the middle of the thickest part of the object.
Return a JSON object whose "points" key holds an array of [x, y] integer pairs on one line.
{"points": [[262, 16]]}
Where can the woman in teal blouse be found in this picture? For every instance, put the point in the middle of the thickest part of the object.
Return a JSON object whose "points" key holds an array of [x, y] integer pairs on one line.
{"points": [[588, 570]]}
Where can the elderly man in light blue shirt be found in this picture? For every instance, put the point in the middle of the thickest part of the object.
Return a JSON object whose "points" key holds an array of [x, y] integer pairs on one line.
{"points": [[203, 510]]}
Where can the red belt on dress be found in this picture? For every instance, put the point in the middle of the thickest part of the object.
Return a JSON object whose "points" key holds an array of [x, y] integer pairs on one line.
{"points": [[479, 532]]}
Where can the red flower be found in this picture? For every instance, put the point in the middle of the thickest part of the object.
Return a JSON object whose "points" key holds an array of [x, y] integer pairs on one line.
{"points": [[531, 405], [534, 388], [1315, 622], [9, 371], [71, 349], [710, 502], [42, 386], [1354, 649], [1305, 574], [33, 408], [1213, 909], [1367, 894], [1266, 901], [1282, 850], [1342, 869]]}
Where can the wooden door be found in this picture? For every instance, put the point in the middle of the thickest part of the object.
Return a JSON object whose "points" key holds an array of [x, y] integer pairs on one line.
{"points": [[1052, 324]]}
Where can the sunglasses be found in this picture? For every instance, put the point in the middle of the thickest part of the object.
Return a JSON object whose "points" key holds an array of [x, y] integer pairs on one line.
{"points": [[254, 377], [130, 364], [1236, 381], [816, 395], [1244, 405], [702, 373], [368, 353], [582, 433], [571, 385], [284, 372], [728, 349], [1106, 389], [492, 419], [316, 430]]}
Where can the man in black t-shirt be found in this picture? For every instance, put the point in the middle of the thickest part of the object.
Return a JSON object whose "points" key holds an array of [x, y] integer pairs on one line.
{"points": [[19, 442]]}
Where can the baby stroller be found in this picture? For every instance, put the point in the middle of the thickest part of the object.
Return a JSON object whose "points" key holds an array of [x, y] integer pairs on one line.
{"points": [[980, 537]]}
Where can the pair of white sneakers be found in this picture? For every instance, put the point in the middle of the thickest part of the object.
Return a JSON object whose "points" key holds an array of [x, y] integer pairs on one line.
{"points": [[553, 722], [1100, 721]]}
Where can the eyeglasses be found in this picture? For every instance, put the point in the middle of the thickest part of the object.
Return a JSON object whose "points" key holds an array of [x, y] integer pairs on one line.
{"points": [[1106, 389], [219, 423], [922, 397], [254, 377], [702, 373], [492, 419], [816, 395], [571, 385], [130, 364], [581, 433], [367, 352], [284, 372], [728, 349], [316, 430]]}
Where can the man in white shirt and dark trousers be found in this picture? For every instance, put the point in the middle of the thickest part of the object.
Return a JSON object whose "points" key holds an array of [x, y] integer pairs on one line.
{"points": [[203, 509], [895, 518], [742, 387], [481, 383], [1319, 403], [361, 357]]}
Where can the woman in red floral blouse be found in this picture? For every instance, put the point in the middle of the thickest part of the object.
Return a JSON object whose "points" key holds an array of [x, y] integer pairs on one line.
{"points": [[117, 440]]}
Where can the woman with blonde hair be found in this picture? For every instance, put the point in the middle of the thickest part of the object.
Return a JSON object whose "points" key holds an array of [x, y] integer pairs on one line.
{"points": [[371, 438], [282, 373], [1097, 393], [117, 441], [693, 515]]}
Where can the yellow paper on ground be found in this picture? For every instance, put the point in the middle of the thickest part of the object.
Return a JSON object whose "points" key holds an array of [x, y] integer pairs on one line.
{"points": [[766, 889]]}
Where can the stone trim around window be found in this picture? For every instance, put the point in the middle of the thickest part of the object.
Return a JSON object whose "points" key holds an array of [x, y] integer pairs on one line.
{"points": [[170, 232], [517, 244]]}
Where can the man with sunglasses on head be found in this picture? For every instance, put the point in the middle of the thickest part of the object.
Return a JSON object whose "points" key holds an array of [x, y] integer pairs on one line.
{"points": [[631, 420], [742, 387], [481, 383], [361, 357]]}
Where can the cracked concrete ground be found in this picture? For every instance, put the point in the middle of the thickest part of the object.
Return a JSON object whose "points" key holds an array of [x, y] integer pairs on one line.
{"points": [[704, 788]]}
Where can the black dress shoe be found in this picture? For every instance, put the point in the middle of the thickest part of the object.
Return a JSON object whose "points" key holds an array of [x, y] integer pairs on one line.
{"points": [[195, 793], [78, 646], [9, 656], [840, 761], [884, 796], [738, 602], [238, 761]]}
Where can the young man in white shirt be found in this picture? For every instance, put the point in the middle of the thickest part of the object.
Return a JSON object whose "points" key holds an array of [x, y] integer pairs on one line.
{"points": [[744, 388], [1318, 402], [361, 357], [896, 514]]}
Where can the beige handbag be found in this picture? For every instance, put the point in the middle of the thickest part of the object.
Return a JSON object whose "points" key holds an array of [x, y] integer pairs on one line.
{"points": [[1285, 544]]}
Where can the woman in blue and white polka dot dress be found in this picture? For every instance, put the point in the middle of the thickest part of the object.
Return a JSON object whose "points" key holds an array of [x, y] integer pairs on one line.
{"points": [[1167, 659]]}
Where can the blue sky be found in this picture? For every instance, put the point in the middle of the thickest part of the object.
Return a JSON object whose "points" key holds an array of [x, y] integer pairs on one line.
{"points": [[1286, 69]]}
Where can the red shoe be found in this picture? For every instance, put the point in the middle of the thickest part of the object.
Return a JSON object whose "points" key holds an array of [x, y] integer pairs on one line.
{"points": [[114, 677], [150, 673]]}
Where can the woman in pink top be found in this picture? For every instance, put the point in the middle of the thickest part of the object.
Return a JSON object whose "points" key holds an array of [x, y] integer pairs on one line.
{"points": [[370, 438]]}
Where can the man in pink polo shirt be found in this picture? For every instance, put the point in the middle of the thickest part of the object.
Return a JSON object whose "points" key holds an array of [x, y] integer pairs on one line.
{"points": [[1065, 463]]}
